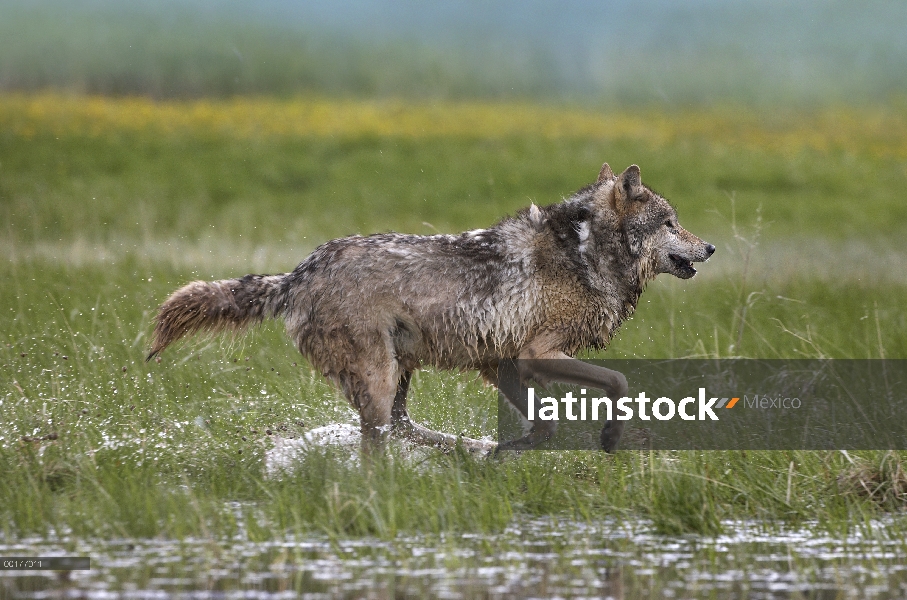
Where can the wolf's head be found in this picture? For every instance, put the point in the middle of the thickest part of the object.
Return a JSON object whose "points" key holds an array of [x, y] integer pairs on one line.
{"points": [[649, 224]]}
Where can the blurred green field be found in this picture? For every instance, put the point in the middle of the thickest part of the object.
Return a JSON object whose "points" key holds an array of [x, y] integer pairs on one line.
{"points": [[101, 223], [654, 52]]}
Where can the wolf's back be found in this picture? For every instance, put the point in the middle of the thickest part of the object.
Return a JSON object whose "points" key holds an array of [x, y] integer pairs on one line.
{"points": [[215, 306]]}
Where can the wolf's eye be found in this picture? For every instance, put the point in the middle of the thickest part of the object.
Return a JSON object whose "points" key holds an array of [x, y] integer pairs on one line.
{"points": [[670, 224]]}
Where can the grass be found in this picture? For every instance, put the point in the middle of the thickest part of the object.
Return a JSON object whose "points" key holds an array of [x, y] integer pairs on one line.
{"points": [[102, 218], [260, 171]]}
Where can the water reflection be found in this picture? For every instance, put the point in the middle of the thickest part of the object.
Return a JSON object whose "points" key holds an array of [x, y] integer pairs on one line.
{"points": [[532, 558]]}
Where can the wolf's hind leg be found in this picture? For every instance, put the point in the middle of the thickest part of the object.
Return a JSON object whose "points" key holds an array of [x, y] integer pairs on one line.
{"points": [[373, 398], [408, 429]]}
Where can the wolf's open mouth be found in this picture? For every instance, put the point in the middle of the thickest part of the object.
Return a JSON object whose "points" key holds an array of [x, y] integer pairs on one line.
{"points": [[682, 264]]}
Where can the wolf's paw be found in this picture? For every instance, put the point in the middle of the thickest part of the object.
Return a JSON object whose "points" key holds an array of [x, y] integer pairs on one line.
{"points": [[610, 436]]}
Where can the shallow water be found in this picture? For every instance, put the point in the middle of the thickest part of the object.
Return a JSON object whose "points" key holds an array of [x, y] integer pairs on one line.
{"points": [[532, 558]]}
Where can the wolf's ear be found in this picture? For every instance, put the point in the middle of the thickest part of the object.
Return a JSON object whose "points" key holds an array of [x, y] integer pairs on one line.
{"points": [[627, 189], [606, 174], [629, 181]]}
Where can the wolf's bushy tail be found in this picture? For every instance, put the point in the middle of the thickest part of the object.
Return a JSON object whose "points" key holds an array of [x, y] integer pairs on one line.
{"points": [[215, 306]]}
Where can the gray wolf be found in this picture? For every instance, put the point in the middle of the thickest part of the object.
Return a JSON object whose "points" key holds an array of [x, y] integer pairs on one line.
{"points": [[515, 302]]}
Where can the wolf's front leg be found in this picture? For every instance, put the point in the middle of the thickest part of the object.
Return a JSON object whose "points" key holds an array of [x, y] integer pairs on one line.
{"points": [[509, 383], [557, 366]]}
